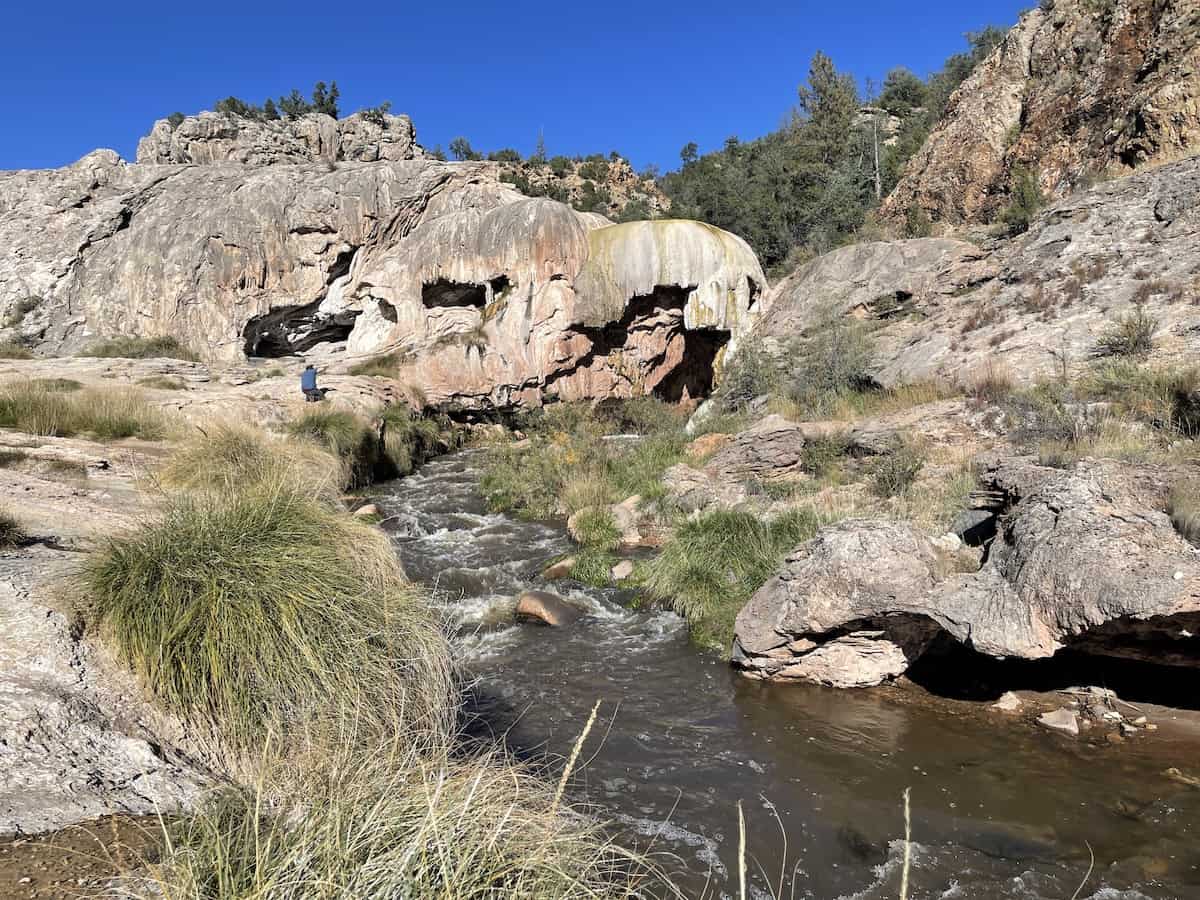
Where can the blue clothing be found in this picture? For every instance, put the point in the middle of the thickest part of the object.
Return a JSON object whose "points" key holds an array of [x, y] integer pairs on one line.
{"points": [[308, 380]]}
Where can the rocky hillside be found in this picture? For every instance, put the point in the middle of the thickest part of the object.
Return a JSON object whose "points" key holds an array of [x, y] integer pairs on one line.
{"points": [[1079, 90], [342, 240], [596, 184]]}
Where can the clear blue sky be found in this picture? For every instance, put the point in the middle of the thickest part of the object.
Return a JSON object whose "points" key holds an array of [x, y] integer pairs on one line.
{"points": [[640, 77]]}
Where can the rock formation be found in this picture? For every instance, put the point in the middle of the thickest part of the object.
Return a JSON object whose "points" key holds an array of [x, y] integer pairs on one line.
{"points": [[1084, 559], [945, 308], [610, 183], [229, 236], [1079, 89]]}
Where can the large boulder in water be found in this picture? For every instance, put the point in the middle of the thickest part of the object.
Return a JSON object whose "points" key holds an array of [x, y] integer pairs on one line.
{"points": [[546, 607], [1083, 559]]}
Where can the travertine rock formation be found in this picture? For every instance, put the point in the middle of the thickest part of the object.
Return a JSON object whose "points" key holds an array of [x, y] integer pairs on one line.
{"points": [[1078, 89], [1036, 305], [1085, 559], [220, 137], [489, 298]]}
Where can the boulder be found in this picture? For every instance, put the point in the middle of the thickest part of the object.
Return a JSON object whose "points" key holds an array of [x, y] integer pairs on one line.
{"points": [[769, 447], [1084, 559], [695, 490], [1008, 702], [706, 445], [1061, 719], [546, 607], [367, 511], [622, 570], [560, 569]]}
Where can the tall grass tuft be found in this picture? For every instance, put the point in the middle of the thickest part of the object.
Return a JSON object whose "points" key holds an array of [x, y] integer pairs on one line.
{"points": [[344, 434], [231, 456], [386, 366], [44, 408], [139, 348], [397, 822], [1131, 336], [711, 565], [258, 610], [408, 438]]}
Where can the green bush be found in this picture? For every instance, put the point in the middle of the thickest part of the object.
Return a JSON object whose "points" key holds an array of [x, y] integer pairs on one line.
{"points": [[1026, 199], [750, 374], [832, 364], [1131, 336], [139, 348], [822, 454], [711, 565], [894, 473], [249, 611]]}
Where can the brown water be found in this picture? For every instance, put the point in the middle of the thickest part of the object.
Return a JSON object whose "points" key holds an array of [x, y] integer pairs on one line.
{"points": [[999, 811]]}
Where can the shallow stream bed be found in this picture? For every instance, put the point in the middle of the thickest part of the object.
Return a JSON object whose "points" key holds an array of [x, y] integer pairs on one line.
{"points": [[999, 810]]}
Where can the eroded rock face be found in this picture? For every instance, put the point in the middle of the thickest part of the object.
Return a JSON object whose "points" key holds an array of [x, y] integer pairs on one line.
{"points": [[488, 298], [1084, 559], [948, 309], [1075, 90], [219, 137]]}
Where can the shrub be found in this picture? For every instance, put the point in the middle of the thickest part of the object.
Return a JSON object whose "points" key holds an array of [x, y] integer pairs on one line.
{"points": [[835, 362], [751, 373], [1184, 510], [712, 564], [917, 223], [894, 473], [13, 350], [993, 385], [1130, 336], [11, 532], [249, 611], [20, 310], [822, 454], [1026, 200], [38, 408], [139, 348], [408, 439]]}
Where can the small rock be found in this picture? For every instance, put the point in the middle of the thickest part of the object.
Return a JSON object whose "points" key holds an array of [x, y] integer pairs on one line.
{"points": [[546, 607], [560, 569], [622, 570], [1060, 720], [1150, 726], [367, 511], [1008, 702], [1126, 728], [1113, 738], [1140, 720]]}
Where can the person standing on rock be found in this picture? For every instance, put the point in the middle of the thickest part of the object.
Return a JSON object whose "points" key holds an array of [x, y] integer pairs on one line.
{"points": [[308, 384]]}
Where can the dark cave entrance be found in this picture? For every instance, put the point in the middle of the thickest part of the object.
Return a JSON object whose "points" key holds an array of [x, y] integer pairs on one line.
{"points": [[288, 330], [662, 309], [446, 293]]}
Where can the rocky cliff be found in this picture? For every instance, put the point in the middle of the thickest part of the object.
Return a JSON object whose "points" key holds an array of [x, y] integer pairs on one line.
{"points": [[232, 237], [1079, 90]]}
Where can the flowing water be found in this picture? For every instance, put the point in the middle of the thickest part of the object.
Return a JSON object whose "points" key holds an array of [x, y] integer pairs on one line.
{"points": [[998, 811]]}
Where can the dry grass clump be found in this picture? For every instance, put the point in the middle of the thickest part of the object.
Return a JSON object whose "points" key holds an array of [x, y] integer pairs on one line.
{"points": [[44, 408], [401, 821], [13, 350], [232, 456], [162, 383], [256, 610], [344, 434], [1184, 509], [993, 385], [139, 348], [12, 534], [894, 473], [386, 366]]}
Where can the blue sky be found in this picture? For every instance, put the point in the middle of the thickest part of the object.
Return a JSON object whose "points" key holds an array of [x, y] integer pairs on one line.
{"points": [[643, 78]]}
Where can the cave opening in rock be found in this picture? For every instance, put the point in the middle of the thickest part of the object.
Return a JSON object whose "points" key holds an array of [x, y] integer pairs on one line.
{"points": [[661, 313], [1143, 662], [446, 293], [288, 330]]}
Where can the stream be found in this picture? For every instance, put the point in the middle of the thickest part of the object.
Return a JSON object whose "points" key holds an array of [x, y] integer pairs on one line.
{"points": [[998, 810]]}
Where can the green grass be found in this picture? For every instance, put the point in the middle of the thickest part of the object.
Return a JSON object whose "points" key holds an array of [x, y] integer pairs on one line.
{"points": [[13, 350], [344, 434], [139, 348], [255, 610], [106, 414], [162, 383], [11, 533], [409, 439], [712, 564]]}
